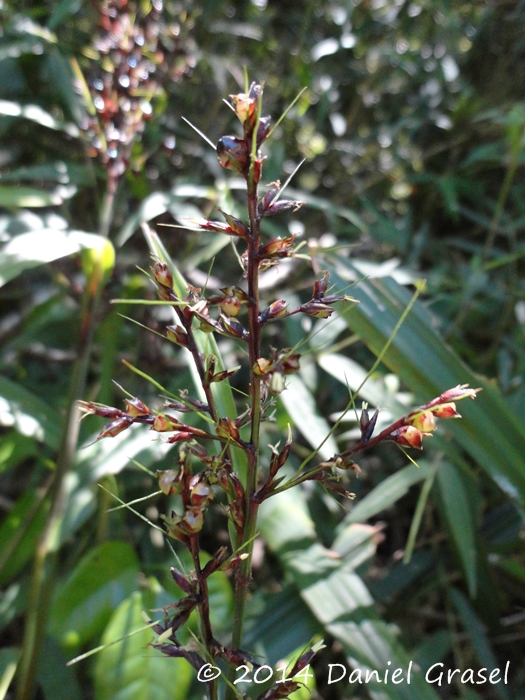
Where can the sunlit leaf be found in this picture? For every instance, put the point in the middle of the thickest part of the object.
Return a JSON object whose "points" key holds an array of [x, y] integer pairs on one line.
{"points": [[27, 413], [38, 247], [15, 197], [36, 114], [302, 409], [340, 601]]}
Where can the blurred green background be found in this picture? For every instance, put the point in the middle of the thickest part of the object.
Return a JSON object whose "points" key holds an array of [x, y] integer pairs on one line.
{"points": [[412, 126]]}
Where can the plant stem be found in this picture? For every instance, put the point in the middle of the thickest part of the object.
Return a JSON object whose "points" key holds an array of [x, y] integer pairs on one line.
{"points": [[106, 213], [502, 199], [204, 607], [45, 556], [197, 359], [251, 507], [358, 447]]}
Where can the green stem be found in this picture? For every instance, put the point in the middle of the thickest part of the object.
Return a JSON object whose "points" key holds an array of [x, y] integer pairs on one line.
{"points": [[45, 557], [106, 213], [502, 199], [243, 578], [44, 565]]}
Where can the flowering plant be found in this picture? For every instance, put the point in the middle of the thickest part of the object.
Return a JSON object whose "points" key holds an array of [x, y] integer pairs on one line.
{"points": [[221, 456]]}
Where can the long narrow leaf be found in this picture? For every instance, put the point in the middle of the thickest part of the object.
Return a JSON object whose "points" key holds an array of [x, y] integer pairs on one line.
{"points": [[42, 246], [454, 497], [206, 343]]}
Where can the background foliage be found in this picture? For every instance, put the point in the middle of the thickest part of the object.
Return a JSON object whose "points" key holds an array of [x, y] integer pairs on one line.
{"points": [[412, 124]]}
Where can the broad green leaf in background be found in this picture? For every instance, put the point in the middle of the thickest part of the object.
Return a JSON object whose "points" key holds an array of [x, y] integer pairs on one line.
{"points": [[357, 543], [402, 575], [221, 600], [301, 407], [387, 493], [105, 577], [98, 263], [433, 649], [97, 459], [131, 670], [329, 208], [338, 598], [375, 390], [489, 430], [15, 448], [58, 681], [278, 623], [61, 12], [279, 533], [38, 247], [59, 171]]}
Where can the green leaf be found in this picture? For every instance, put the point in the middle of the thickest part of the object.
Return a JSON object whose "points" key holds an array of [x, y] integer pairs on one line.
{"points": [[58, 680], [375, 390], [106, 576], [131, 670], [36, 114], [158, 203], [28, 414], [356, 543], [341, 602], [59, 171], [15, 448], [489, 430], [19, 534], [16, 197], [478, 637], [387, 492], [328, 207], [111, 455], [454, 493], [221, 600], [281, 533], [302, 409], [402, 575], [283, 623], [61, 12], [9, 657], [432, 649], [38, 247], [98, 262], [207, 344]]}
